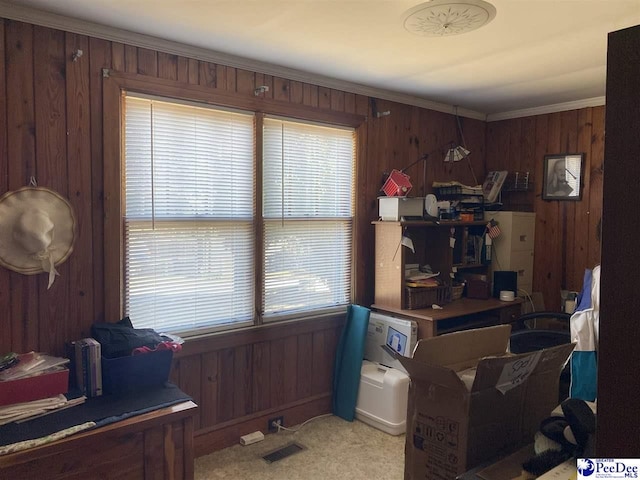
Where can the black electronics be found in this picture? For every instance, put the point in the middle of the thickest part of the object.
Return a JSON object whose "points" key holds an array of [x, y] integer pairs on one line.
{"points": [[505, 280]]}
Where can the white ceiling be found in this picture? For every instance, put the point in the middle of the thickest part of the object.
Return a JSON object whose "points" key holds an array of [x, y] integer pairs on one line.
{"points": [[535, 53]]}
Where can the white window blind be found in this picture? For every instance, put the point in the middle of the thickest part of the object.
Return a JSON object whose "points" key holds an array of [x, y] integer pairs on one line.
{"points": [[308, 185], [189, 216]]}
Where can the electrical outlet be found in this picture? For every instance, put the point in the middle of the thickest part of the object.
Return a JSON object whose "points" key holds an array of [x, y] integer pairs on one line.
{"points": [[271, 427]]}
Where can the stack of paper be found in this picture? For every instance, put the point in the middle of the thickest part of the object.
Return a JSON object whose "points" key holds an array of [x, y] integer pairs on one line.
{"points": [[22, 412], [31, 364]]}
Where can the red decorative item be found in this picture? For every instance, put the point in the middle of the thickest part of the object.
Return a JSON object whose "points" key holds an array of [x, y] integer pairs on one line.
{"points": [[397, 184]]}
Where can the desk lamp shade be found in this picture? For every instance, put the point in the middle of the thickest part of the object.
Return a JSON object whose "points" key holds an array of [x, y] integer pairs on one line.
{"points": [[397, 184], [456, 154]]}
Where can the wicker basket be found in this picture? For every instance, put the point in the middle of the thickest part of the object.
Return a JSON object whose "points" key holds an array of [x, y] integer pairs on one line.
{"points": [[456, 292], [423, 297]]}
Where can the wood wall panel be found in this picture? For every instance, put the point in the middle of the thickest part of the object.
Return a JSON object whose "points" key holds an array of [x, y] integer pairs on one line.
{"points": [[167, 66], [79, 151], [245, 82], [208, 406], [567, 232], [118, 60], [99, 58], [207, 74], [51, 167], [191, 377], [5, 299], [23, 312], [261, 377], [240, 379]]}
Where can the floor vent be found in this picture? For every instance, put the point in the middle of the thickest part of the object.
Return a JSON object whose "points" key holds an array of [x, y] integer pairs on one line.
{"points": [[283, 452]]}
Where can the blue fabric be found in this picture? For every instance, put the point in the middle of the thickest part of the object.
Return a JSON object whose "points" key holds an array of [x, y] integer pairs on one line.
{"points": [[349, 356], [584, 375], [584, 326], [584, 297]]}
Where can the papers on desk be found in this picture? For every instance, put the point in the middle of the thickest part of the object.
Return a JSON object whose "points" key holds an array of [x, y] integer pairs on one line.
{"points": [[31, 364], [22, 412]]}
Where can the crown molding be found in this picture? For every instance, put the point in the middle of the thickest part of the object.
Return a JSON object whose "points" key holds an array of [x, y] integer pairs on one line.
{"points": [[46, 19], [83, 27], [557, 107]]}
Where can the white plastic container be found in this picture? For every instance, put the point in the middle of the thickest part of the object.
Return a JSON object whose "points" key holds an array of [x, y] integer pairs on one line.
{"points": [[382, 398]]}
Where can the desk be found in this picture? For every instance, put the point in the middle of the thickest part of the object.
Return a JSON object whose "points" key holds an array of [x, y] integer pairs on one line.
{"points": [[154, 445], [460, 314]]}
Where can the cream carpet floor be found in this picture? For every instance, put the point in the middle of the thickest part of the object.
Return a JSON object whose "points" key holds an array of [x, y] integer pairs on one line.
{"points": [[335, 449]]}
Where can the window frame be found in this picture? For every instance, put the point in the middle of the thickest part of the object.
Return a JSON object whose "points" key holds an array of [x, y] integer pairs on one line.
{"points": [[115, 86]]}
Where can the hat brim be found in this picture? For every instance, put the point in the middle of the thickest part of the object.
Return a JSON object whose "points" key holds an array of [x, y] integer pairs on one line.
{"points": [[12, 205]]}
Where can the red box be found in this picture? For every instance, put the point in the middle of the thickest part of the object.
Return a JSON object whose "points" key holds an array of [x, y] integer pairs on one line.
{"points": [[34, 388], [397, 184]]}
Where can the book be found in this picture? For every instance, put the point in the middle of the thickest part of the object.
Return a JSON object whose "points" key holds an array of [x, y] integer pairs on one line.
{"points": [[493, 185], [88, 367]]}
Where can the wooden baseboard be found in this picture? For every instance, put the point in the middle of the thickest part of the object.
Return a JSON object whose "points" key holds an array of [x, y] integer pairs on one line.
{"points": [[227, 435]]}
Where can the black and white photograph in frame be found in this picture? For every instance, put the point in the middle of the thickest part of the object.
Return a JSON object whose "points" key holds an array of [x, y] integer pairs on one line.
{"points": [[562, 178]]}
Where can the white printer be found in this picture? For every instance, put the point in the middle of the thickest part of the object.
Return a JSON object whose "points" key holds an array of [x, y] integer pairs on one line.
{"points": [[384, 383], [399, 334]]}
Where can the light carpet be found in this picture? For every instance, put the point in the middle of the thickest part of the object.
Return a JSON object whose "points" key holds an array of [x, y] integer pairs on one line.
{"points": [[335, 449]]}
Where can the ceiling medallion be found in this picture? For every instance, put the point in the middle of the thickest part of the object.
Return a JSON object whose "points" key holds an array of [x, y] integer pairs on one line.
{"points": [[440, 18]]}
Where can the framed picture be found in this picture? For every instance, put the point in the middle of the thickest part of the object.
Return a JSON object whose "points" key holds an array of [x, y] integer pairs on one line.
{"points": [[563, 176]]}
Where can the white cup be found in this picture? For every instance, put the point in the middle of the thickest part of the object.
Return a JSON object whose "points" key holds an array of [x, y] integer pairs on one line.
{"points": [[507, 296]]}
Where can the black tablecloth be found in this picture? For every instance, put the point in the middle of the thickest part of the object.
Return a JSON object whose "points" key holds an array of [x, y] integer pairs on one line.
{"points": [[101, 410]]}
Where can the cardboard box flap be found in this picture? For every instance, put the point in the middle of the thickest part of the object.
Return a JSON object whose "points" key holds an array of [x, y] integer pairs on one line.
{"points": [[507, 372], [433, 374], [462, 347], [555, 357]]}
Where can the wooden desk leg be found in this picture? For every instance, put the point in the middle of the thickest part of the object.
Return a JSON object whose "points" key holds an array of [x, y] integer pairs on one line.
{"points": [[188, 448], [426, 328]]}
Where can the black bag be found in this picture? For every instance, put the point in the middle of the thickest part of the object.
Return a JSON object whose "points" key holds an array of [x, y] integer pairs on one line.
{"points": [[119, 339]]}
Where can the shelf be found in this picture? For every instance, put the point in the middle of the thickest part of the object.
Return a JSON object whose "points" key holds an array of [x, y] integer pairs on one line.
{"points": [[425, 223], [469, 265]]}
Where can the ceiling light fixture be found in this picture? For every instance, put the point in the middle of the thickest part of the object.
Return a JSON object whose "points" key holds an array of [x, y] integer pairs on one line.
{"points": [[441, 18]]}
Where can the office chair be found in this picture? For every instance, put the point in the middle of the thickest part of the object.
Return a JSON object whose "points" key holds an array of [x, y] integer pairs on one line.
{"points": [[527, 337]]}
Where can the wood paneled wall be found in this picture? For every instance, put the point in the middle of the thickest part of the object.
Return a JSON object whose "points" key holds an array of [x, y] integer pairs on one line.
{"points": [[567, 232], [51, 128]]}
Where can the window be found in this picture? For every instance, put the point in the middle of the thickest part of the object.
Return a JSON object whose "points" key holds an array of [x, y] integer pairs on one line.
{"points": [[191, 260], [308, 216]]}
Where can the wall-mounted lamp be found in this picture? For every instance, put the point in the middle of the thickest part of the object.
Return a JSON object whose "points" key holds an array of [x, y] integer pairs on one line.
{"points": [[457, 153], [460, 152], [76, 55], [260, 89]]}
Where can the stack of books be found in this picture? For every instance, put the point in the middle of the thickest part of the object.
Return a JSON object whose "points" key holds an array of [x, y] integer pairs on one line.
{"points": [[31, 384], [88, 366]]}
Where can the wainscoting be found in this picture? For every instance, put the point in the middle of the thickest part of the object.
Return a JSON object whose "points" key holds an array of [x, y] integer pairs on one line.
{"points": [[242, 379]]}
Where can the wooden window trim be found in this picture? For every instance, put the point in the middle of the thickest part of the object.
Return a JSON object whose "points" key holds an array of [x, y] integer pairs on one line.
{"points": [[115, 86]]}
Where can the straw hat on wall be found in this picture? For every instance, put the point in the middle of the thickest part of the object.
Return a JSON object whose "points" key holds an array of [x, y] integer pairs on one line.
{"points": [[37, 231]]}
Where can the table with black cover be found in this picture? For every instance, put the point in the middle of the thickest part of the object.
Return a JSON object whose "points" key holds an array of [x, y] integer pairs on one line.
{"points": [[137, 435]]}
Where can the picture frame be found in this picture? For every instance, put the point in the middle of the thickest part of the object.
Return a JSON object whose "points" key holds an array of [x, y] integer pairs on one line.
{"points": [[562, 179]]}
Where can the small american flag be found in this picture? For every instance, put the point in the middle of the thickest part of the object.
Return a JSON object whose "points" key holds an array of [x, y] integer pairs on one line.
{"points": [[493, 230]]}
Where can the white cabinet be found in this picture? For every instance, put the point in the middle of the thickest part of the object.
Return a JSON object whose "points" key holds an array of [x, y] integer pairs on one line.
{"points": [[513, 248]]}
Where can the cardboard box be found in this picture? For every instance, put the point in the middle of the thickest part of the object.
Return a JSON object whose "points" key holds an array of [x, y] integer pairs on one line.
{"points": [[471, 401], [394, 208], [40, 386]]}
